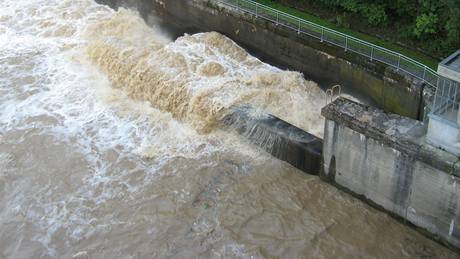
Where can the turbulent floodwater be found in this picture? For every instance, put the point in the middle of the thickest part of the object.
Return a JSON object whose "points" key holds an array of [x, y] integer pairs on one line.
{"points": [[110, 148]]}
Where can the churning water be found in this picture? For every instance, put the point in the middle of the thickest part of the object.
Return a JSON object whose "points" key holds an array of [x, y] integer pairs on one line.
{"points": [[110, 148]]}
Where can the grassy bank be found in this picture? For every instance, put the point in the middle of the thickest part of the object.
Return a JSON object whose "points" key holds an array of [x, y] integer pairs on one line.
{"points": [[420, 57]]}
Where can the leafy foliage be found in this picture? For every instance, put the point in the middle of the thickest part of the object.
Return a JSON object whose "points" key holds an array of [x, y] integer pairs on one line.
{"points": [[425, 24], [435, 23]]}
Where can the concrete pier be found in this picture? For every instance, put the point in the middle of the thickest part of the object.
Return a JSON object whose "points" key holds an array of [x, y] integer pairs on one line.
{"points": [[383, 158]]}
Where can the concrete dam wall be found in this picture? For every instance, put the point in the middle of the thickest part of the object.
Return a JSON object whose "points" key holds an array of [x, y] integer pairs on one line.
{"points": [[326, 64]]}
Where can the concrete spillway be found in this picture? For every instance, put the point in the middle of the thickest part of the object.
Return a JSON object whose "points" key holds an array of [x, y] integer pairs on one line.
{"points": [[279, 138]]}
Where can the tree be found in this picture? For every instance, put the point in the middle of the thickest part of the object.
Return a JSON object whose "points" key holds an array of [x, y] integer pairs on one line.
{"points": [[432, 25], [426, 24]]}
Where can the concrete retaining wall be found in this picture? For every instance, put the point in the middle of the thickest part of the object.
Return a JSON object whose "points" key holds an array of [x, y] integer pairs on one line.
{"points": [[382, 158], [326, 64]]}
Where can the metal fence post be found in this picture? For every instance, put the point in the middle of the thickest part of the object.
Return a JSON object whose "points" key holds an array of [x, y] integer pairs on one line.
{"points": [[372, 53], [449, 99], [257, 7], [399, 61], [442, 92], [322, 34], [346, 43], [298, 31], [424, 72], [277, 18]]}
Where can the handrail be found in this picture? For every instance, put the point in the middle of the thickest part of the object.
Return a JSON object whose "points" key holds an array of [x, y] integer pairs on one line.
{"points": [[334, 31], [330, 93], [349, 43]]}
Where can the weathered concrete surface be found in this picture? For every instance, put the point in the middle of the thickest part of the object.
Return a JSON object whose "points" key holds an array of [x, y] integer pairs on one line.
{"points": [[383, 158], [450, 67], [279, 138], [319, 61], [444, 134]]}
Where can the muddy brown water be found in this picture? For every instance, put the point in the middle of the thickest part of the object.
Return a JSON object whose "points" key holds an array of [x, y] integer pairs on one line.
{"points": [[109, 148]]}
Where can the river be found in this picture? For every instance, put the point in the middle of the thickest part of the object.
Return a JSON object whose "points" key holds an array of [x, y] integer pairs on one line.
{"points": [[110, 147]]}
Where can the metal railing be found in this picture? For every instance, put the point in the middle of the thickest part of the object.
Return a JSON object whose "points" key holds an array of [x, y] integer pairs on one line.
{"points": [[446, 102], [331, 93], [349, 43]]}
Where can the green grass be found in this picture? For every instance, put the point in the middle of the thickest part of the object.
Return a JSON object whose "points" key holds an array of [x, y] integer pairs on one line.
{"points": [[420, 57]]}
